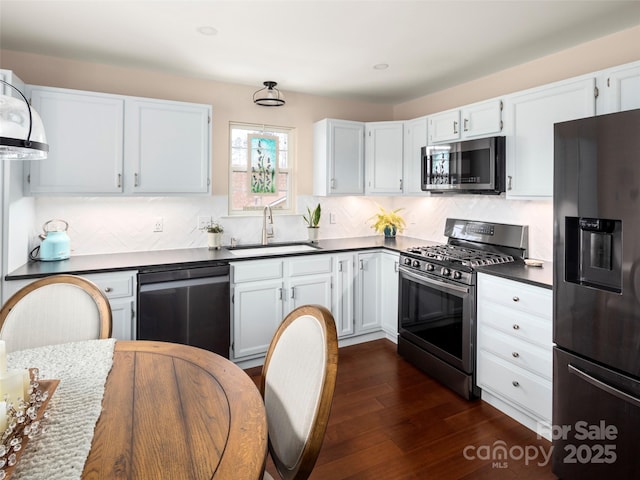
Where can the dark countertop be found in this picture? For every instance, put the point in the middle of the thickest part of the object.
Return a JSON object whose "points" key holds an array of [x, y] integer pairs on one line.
{"points": [[537, 276], [193, 257]]}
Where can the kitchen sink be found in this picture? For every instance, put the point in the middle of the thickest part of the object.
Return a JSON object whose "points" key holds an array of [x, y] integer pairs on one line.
{"points": [[255, 250]]}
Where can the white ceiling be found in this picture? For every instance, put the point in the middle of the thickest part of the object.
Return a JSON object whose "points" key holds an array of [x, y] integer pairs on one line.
{"points": [[320, 47]]}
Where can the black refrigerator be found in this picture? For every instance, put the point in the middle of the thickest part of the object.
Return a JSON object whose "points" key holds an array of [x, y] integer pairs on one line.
{"points": [[596, 286]]}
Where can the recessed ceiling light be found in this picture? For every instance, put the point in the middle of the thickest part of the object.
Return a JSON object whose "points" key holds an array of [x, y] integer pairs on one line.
{"points": [[381, 66], [207, 30]]}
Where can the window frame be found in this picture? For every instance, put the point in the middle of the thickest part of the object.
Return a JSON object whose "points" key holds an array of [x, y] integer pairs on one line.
{"points": [[289, 170]]}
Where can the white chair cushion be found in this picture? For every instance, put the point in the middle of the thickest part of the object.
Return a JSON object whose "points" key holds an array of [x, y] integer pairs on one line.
{"points": [[292, 387], [49, 315]]}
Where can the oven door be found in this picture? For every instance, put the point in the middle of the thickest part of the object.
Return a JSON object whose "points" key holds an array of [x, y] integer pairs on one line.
{"points": [[438, 316]]}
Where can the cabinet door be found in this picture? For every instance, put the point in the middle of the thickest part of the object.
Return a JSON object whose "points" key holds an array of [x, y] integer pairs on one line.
{"points": [[84, 132], [444, 127], [415, 137], [389, 293], [122, 315], [620, 89], [338, 157], [343, 293], [482, 119], [257, 312], [383, 153], [309, 290], [369, 303], [529, 161], [167, 147]]}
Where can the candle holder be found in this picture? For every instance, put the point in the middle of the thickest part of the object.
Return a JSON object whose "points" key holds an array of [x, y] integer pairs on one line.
{"points": [[25, 420]]}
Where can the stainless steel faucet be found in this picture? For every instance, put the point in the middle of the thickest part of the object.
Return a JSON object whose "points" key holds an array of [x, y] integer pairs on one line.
{"points": [[267, 228]]}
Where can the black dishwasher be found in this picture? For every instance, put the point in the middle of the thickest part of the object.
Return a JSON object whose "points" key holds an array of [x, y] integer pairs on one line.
{"points": [[188, 305]]}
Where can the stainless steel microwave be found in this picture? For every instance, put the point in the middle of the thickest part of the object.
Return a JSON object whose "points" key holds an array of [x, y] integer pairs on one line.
{"points": [[472, 166]]}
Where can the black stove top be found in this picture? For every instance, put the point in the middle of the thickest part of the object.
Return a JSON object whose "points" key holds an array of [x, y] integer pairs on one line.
{"points": [[454, 254], [470, 244]]}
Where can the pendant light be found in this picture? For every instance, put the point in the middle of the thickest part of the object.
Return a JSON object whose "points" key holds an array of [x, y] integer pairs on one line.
{"points": [[269, 96], [22, 134]]}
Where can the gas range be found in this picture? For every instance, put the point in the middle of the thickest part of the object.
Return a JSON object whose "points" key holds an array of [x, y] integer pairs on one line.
{"points": [[437, 298], [470, 244]]}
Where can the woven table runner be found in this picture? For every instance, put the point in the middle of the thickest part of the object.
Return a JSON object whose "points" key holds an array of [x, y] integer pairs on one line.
{"points": [[82, 368]]}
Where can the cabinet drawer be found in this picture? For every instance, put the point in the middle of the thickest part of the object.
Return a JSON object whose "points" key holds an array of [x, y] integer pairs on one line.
{"points": [[536, 359], [517, 295], [256, 270], [515, 384], [309, 265], [114, 285], [516, 323]]}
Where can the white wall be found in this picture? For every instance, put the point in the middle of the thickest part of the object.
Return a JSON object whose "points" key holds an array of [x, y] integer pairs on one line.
{"points": [[108, 225]]}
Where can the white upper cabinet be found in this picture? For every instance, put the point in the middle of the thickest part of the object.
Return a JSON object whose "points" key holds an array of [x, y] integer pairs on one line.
{"points": [[415, 137], [619, 89], [531, 116], [112, 144], [475, 120], [85, 136], [383, 157], [482, 119], [444, 127], [338, 157], [166, 147]]}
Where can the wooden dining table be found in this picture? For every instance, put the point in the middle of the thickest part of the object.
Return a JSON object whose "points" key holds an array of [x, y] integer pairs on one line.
{"points": [[177, 412]]}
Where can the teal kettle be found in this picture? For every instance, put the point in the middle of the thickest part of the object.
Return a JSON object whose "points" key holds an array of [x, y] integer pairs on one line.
{"points": [[55, 241]]}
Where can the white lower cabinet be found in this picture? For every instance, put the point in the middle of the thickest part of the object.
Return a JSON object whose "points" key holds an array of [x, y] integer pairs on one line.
{"points": [[368, 301], [121, 290], [515, 349], [344, 290], [360, 289], [265, 291], [389, 294]]}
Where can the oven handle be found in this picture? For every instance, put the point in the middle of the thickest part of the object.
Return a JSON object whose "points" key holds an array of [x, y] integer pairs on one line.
{"points": [[425, 279]]}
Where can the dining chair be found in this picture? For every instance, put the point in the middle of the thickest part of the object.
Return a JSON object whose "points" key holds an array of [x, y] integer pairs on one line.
{"points": [[52, 310], [297, 384]]}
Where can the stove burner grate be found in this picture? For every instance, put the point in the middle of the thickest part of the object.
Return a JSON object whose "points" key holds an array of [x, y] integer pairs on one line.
{"points": [[465, 256]]}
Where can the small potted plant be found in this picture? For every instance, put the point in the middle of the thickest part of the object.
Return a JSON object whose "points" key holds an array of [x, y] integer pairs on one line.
{"points": [[312, 218], [214, 236], [388, 222]]}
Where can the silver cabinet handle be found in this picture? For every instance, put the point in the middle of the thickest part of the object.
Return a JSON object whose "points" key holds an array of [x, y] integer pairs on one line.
{"points": [[293, 292], [333, 184], [515, 383], [515, 354], [280, 293], [516, 326], [119, 180], [466, 125], [108, 290], [135, 179], [361, 264], [455, 127], [340, 266], [516, 298], [396, 266], [400, 184], [509, 183]]}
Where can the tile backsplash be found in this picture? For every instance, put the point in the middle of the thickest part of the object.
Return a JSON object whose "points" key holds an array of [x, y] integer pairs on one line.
{"points": [[113, 225]]}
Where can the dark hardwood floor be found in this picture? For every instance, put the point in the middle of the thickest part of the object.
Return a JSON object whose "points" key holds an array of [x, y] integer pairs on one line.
{"points": [[390, 421]]}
